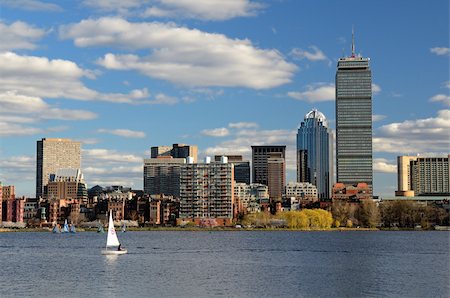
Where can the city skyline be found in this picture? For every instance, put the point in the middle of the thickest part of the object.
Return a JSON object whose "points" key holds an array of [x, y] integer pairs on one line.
{"points": [[123, 77]]}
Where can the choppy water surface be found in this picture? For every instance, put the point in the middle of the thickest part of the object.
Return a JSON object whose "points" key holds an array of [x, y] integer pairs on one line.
{"points": [[231, 264]]}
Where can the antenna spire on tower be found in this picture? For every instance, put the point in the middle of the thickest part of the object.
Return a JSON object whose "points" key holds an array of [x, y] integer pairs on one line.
{"points": [[353, 42]]}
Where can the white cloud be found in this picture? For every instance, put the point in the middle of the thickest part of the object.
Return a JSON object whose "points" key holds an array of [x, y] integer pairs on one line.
{"points": [[440, 51], [216, 132], [420, 135], [203, 9], [11, 129], [164, 99], [123, 133], [41, 77], [315, 55], [445, 99], [382, 165], [376, 88], [376, 118], [240, 125], [315, 93], [121, 6], [183, 56], [19, 35], [91, 156], [32, 5]]}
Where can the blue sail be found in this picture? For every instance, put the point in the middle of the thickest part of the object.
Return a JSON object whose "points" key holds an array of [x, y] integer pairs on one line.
{"points": [[56, 229], [72, 228], [66, 227]]}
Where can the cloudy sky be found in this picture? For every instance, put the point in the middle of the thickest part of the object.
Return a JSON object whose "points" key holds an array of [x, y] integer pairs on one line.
{"points": [[124, 75]]}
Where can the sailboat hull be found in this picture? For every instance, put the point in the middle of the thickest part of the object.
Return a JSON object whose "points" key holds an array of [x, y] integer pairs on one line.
{"points": [[114, 252]]}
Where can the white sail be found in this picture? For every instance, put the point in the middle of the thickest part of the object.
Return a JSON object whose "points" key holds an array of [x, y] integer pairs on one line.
{"points": [[112, 239]]}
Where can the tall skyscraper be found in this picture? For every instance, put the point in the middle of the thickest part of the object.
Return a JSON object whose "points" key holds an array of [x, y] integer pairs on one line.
{"points": [[315, 153], [422, 176], [260, 154], [354, 120], [207, 192], [54, 154], [276, 175]]}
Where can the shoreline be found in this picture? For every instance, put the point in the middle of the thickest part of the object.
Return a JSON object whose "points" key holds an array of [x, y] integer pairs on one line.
{"points": [[217, 229]]}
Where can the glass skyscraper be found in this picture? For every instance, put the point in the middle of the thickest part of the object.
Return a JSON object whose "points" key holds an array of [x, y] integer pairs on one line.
{"points": [[354, 120], [315, 153]]}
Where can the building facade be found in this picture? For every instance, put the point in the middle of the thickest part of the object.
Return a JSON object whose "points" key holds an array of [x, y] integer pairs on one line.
{"points": [[315, 153], [54, 154], [260, 154], [354, 120], [176, 151], [67, 184], [249, 196], [302, 190], [207, 192], [276, 175], [162, 175], [423, 176], [241, 167]]}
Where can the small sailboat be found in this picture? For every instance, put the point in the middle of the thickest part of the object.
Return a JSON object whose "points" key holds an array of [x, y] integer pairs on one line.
{"points": [[66, 227], [100, 229], [72, 229], [112, 240], [124, 228], [56, 229]]}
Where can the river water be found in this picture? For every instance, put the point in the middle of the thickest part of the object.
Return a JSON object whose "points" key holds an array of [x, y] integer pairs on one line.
{"points": [[230, 264]]}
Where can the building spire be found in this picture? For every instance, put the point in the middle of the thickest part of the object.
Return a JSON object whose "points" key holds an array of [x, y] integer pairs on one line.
{"points": [[353, 42]]}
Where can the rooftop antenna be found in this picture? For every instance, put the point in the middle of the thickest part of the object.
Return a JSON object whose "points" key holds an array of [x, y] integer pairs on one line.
{"points": [[353, 42]]}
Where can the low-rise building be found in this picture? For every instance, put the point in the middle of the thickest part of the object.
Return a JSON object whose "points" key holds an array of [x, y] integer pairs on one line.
{"points": [[352, 192]]}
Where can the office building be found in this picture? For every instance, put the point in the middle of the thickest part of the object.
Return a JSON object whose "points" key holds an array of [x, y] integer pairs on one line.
{"points": [[423, 176], [54, 154], [354, 120], [248, 196], [302, 191], [162, 176], [176, 151], [67, 184], [241, 167], [315, 153], [260, 154], [276, 175], [207, 192]]}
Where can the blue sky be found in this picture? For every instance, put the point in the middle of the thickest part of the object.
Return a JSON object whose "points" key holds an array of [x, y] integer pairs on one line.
{"points": [[124, 75]]}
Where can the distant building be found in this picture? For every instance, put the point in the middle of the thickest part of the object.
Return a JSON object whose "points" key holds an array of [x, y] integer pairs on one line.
{"points": [[260, 154], [11, 208], [276, 175], [302, 190], [67, 184], [162, 175], [315, 153], [176, 151], [352, 192], [163, 210], [241, 167], [354, 120], [207, 192], [423, 176], [54, 154], [249, 196]]}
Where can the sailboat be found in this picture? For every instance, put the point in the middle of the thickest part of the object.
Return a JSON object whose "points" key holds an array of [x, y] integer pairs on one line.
{"points": [[72, 228], [124, 227], [100, 229], [65, 228], [56, 229], [112, 240]]}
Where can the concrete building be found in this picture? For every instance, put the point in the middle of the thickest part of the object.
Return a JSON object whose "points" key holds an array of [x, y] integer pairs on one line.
{"points": [[54, 154], [260, 154], [302, 190], [67, 184], [176, 151], [162, 175], [354, 120], [315, 153], [423, 176], [276, 175], [241, 167], [207, 192]]}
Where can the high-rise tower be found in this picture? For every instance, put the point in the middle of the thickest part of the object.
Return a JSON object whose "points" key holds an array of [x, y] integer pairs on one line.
{"points": [[354, 120], [315, 153], [52, 155]]}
